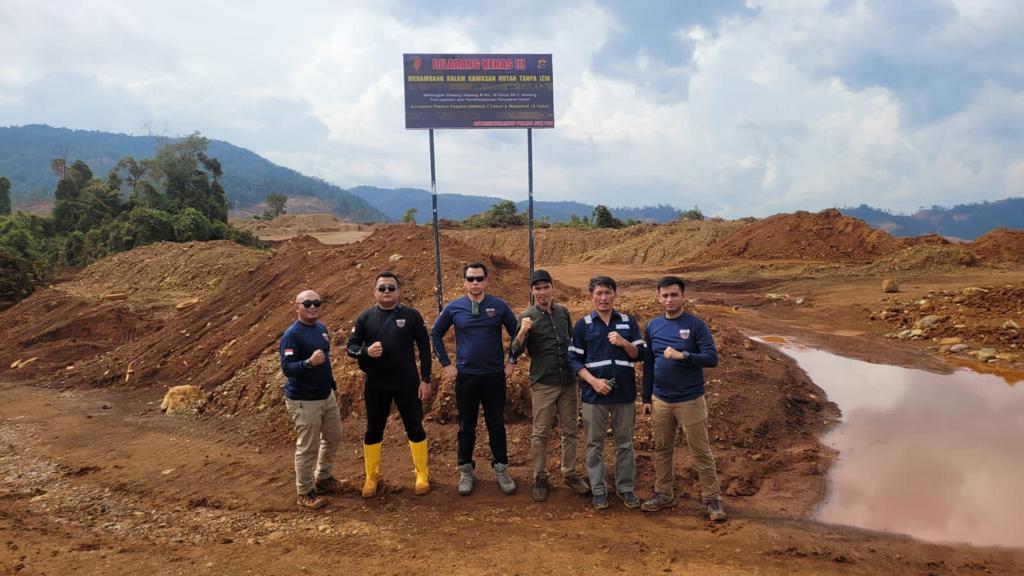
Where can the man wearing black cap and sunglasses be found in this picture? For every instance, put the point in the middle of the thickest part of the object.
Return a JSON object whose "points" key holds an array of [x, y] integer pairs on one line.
{"points": [[545, 332], [383, 340], [311, 400], [479, 371]]}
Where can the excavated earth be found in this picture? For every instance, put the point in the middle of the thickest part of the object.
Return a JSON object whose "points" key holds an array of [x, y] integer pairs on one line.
{"points": [[96, 478]]}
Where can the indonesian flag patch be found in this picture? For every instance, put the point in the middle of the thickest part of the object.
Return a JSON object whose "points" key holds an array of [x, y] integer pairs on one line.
{"points": [[289, 352]]}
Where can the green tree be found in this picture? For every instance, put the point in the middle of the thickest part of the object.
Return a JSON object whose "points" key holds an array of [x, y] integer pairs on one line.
{"points": [[275, 205], [141, 191], [189, 178], [410, 216], [24, 261], [603, 218], [501, 215], [576, 222], [5, 196], [190, 224], [59, 167], [66, 206], [694, 214]]}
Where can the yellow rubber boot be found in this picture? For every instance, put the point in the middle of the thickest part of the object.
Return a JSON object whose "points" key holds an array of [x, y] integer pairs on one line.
{"points": [[371, 459], [419, 460]]}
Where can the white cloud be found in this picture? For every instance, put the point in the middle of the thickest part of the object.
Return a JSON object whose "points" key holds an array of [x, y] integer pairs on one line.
{"points": [[796, 105]]}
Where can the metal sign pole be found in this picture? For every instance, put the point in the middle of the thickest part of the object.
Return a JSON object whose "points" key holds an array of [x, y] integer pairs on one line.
{"points": [[437, 229], [529, 171]]}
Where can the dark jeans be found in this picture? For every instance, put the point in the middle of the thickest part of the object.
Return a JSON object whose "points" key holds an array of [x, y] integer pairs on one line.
{"points": [[470, 391], [378, 407]]}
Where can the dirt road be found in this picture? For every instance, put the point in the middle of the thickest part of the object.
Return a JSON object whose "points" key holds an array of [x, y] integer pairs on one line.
{"points": [[102, 483], [97, 481]]}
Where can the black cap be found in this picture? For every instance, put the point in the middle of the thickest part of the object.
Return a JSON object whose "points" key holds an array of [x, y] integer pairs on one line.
{"points": [[540, 276]]}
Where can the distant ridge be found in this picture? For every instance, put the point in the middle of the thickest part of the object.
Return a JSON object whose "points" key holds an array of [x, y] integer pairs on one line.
{"points": [[26, 152], [961, 222], [395, 201]]}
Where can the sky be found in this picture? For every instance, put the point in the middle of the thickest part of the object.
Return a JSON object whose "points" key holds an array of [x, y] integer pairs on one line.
{"points": [[738, 108]]}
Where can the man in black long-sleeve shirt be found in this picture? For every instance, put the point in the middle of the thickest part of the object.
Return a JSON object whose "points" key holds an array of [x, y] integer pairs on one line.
{"points": [[382, 340]]}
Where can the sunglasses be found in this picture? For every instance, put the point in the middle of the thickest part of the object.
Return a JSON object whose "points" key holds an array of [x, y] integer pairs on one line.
{"points": [[387, 288], [476, 278], [311, 303]]}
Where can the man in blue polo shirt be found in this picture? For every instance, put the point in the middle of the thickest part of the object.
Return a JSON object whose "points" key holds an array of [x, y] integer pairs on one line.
{"points": [[605, 344], [309, 396], [679, 347], [479, 371]]}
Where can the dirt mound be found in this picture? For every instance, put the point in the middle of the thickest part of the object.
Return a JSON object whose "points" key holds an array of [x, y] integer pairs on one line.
{"points": [[923, 239], [962, 321], [297, 224], [166, 271], [925, 257], [326, 228], [827, 236], [52, 331], [1000, 245], [642, 244], [765, 411], [238, 319]]}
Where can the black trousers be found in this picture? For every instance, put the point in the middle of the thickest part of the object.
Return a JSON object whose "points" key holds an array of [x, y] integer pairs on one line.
{"points": [[470, 391], [378, 407]]}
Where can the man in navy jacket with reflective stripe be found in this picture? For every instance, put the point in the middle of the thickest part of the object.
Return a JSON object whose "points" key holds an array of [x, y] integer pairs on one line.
{"points": [[605, 345]]}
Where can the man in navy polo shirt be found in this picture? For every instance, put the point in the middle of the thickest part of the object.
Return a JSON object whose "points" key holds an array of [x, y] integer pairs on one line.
{"points": [[309, 396], [480, 370], [605, 344], [679, 347]]}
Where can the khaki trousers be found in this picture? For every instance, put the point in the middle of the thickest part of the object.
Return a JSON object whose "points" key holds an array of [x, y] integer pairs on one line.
{"points": [[550, 400], [318, 435], [692, 417]]}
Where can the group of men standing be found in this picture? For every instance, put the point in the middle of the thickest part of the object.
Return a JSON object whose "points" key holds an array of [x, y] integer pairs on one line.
{"points": [[599, 351]]}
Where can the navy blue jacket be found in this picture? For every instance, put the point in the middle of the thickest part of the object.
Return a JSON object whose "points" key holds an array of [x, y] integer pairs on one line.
{"points": [[677, 380], [478, 345], [591, 349], [297, 344]]}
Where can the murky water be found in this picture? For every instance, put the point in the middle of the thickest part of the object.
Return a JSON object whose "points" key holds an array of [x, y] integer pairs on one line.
{"points": [[939, 457]]}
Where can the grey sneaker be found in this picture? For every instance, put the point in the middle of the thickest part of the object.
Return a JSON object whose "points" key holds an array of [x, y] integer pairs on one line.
{"points": [[578, 485], [540, 489], [599, 502], [505, 481], [466, 479], [628, 499], [658, 501], [716, 513]]}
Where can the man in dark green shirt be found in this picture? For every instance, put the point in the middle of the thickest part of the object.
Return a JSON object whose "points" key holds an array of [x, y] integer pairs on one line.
{"points": [[545, 332]]}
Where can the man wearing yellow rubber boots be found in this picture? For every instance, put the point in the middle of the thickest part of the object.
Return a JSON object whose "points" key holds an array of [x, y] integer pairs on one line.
{"points": [[383, 341]]}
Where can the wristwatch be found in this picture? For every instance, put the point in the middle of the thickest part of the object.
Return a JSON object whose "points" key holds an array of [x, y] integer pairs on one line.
{"points": [[306, 363]]}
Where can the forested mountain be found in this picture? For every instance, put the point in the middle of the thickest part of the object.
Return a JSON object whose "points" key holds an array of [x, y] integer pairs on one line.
{"points": [[395, 201], [963, 221], [26, 153]]}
